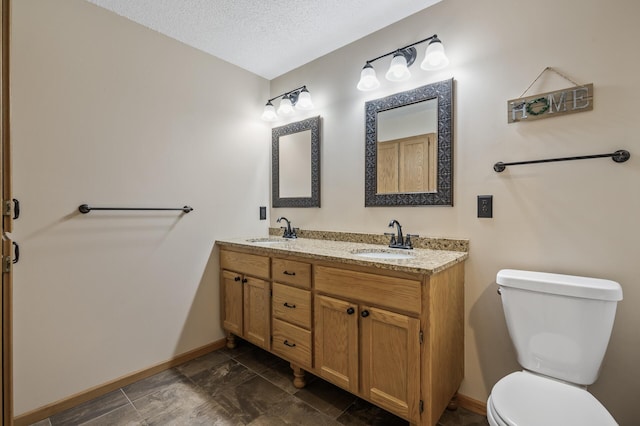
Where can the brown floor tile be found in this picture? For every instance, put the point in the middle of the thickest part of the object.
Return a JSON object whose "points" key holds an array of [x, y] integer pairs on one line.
{"points": [[123, 416], [203, 363], [243, 386], [250, 399], [326, 398], [181, 404], [281, 375], [90, 410], [153, 384], [228, 374], [293, 411], [258, 360], [362, 413], [462, 417]]}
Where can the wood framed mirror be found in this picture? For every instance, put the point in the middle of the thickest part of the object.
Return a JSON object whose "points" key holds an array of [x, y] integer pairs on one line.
{"points": [[408, 148], [295, 164]]}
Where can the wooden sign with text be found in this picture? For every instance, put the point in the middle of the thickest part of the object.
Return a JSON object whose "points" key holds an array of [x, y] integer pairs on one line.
{"points": [[551, 104]]}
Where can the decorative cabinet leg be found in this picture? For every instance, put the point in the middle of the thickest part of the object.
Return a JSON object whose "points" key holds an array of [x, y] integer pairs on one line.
{"points": [[231, 341], [298, 377], [453, 404]]}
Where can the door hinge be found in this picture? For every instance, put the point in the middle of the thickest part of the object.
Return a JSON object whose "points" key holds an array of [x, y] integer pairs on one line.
{"points": [[6, 208], [421, 406], [7, 263], [421, 337]]}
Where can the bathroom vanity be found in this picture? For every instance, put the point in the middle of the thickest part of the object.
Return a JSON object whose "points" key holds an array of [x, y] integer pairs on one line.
{"points": [[383, 324]]}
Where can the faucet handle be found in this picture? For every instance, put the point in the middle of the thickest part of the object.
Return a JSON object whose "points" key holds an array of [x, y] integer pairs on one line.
{"points": [[393, 238], [407, 240]]}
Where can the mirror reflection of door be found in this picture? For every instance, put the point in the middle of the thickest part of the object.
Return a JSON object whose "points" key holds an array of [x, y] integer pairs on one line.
{"points": [[407, 149], [295, 165]]}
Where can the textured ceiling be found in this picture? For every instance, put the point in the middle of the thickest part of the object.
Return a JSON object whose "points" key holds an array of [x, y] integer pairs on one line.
{"points": [[266, 37]]}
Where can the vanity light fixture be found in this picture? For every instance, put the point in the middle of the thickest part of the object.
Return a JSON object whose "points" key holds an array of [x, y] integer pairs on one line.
{"points": [[298, 98], [403, 58]]}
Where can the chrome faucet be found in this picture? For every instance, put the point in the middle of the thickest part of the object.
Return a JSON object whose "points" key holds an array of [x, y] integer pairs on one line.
{"points": [[399, 240], [289, 232]]}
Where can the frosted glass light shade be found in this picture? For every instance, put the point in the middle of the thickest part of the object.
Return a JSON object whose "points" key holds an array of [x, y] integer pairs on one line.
{"points": [[368, 79], [398, 70], [434, 58], [285, 107], [269, 113], [304, 100]]}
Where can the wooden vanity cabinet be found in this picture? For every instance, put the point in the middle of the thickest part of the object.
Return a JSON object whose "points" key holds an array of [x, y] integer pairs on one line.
{"points": [[393, 338], [370, 349], [246, 297]]}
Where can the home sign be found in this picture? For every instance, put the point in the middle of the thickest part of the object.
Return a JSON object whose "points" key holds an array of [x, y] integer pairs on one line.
{"points": [[551, 104]]}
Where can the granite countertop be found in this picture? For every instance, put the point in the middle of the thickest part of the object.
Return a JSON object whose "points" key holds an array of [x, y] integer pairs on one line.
{"points": [[423, 260]]}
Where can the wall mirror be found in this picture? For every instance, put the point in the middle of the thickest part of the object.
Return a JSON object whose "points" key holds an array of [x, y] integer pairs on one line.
{"points": [[408, 147], [295, 164]]}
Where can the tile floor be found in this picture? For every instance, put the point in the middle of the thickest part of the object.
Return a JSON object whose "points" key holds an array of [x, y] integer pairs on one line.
{"points": [[243, 386]]}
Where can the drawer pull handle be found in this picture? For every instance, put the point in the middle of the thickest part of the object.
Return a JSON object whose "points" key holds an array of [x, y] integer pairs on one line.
{"points": [[236, 279], [293, 274], [350, 311], [364, 313], [287, 305], [291, 345]]}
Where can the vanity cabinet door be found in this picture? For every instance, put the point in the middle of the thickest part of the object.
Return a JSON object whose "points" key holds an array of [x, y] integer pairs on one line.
{"points": [[257, 313], [247, 303], [336, 341], [233, 302], [390, 357]]}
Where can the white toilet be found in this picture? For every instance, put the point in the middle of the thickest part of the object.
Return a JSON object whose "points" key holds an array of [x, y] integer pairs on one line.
{"points": [[560, 326]]}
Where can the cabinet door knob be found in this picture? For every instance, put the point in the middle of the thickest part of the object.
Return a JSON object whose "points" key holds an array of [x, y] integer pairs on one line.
{"points": [[287, 305], [244, 281], [364, 313], [291, 345], [236, 279], [350, 311]]}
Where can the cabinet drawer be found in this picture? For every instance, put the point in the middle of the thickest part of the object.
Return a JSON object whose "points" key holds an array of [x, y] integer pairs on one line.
{"points": [[292, 305], [397, 293], [292, 272], [292, 342], [250, 264]]}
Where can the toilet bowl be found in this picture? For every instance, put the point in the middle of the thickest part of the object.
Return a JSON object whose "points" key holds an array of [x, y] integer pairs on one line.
{"points": [[560, 327], [528, 399]]}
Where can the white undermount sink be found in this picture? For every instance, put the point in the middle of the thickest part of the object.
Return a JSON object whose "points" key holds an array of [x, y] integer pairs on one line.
{"points": [[383, 254]]}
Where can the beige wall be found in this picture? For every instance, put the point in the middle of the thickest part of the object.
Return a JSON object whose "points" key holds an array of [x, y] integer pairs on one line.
{"points": [[107, 112], [576, 217]]}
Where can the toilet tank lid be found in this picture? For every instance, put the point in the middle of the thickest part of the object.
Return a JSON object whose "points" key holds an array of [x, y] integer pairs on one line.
{"points": [[567, 285]]}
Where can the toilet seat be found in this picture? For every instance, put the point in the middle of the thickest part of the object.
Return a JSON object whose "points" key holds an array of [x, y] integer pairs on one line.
{"points": [[526, 399]]}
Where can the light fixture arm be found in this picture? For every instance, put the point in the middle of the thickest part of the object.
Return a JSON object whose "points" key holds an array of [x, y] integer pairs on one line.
{"points": [[293, 92], [435, 36]]}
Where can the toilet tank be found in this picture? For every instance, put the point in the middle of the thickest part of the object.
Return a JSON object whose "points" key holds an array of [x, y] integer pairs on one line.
{"points": [[559, 324]]}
